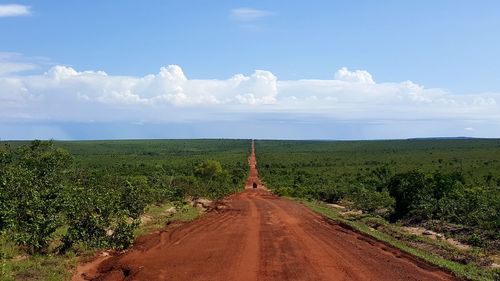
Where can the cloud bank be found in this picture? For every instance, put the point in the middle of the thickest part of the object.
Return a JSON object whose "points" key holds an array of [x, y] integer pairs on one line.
{"points": [[64, 94]]}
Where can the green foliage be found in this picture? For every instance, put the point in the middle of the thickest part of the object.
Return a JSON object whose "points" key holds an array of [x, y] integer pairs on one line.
{"points": [[96, 197], [367, 225], [445, 197], [163, 189], [123, 234], [135, 195], [411, 192], [56, 205], [212, 181], [32, 179], [371, 200], [475, 240], [450, 181], [95, 211], [209, 169]]}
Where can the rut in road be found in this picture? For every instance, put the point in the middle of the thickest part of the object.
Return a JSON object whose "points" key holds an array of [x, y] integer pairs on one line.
{"points": [[259, 236]]}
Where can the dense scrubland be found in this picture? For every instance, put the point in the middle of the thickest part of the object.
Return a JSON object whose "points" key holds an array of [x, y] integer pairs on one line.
{"points": [[451, 186], [59, 198]]}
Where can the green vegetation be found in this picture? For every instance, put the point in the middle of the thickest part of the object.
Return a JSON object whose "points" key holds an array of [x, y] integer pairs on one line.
{"points": [[362, 224], [61, 199], [449, 186]]}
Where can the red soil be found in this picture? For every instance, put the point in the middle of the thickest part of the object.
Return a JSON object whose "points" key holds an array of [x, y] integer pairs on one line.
{"points": [[255, 235]]}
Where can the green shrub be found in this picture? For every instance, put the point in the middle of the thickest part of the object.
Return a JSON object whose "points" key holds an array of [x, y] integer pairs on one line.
{"points": [[135, 196], [123, 234], [475, 240], [370, 201], [208, 169], [36, 175]]}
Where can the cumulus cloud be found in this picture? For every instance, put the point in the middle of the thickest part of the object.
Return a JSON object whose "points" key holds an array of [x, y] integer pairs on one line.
{"points": [[63, 93], [357, 76], [248, 14], [14, 10]]}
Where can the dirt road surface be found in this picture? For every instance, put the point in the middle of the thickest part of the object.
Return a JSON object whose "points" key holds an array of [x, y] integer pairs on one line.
{"points": [[255, 235]]}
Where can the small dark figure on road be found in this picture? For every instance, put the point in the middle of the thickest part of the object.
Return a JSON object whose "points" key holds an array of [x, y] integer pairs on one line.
{"points": [[254, 185]]}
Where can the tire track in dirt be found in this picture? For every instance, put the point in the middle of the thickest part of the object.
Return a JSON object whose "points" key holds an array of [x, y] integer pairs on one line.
{"points": [[259, 236], [248, 265]]}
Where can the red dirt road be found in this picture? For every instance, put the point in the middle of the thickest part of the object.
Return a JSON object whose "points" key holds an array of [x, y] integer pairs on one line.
{"points": [[258, 236], [253, 175]]}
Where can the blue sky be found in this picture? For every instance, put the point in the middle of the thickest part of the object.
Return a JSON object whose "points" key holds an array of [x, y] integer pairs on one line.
{"points": [[309, 69]]}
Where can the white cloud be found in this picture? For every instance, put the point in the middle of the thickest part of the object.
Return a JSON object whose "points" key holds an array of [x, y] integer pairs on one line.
{"points": [[12, 67], [65, 94], [249, 14], [14, 10], [14, 62], [357, 76]]}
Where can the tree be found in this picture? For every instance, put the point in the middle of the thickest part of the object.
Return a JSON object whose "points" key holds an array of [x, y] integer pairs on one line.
{"points": [[136, 194], [209, 169], [102, 210], [33, 181], [7, 210], [410, 191]]}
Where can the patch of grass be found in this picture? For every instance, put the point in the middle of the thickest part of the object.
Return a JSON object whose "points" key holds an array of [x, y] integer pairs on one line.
{"points": [[47, 268], [158, 217], [437, 246], [467, 271], [15, 264]]}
